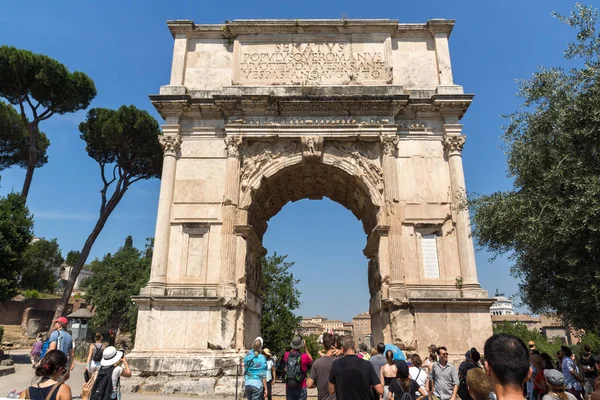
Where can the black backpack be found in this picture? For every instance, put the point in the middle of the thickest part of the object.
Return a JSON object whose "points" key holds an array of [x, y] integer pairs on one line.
{"points": [[293, 370], [103, 386], [97, 353], [402, 395]]}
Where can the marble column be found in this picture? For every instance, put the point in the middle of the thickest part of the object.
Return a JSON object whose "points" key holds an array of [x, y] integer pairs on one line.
{"points": [[393, 210], [453, 144], [171, 143], [230, 203]]}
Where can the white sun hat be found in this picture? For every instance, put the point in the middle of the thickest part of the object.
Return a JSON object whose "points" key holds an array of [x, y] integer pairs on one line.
{"points": [[110, 356]]}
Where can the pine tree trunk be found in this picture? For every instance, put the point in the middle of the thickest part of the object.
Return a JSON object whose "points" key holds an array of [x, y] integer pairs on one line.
{"points": [[62, 305], [34, 137]]}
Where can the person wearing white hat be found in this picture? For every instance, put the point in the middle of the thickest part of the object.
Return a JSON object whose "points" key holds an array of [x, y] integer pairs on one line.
{"points": [[112, 359]]}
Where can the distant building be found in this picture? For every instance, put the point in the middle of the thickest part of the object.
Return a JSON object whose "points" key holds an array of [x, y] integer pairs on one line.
{"points": [[317, 325], [309, 328], [65, 270], [547, 325], [361, 327], [502, 306], [348, 328], [332, 324], [315, 320], [529, 321]]}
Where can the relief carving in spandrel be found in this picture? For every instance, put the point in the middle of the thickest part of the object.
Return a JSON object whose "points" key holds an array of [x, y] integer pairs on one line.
{"points": [[364, 156], [257, 155]]}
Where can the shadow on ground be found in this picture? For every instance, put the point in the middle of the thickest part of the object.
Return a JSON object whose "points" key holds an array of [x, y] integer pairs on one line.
{"points": [[21, 358]]}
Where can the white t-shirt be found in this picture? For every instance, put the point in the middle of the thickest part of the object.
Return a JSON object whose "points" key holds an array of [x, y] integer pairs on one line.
{"points": [[116, 376], [418, 375], [269, 370]]}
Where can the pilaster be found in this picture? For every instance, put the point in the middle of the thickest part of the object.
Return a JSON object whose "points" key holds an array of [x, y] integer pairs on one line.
{"points": [[440, 30], [394, 211], [171, 143], [230, 203], [179, 59], [454, 142]]}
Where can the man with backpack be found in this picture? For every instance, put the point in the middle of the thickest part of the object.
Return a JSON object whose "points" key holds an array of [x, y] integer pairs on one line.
{"points": [[297, 362]]}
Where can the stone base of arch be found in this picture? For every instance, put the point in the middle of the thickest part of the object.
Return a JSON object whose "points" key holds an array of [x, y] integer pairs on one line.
{"points": [[181, 343]]}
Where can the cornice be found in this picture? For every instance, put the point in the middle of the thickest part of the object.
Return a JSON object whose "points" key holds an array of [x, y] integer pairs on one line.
{"points": [[290, 101], [232, 29]]}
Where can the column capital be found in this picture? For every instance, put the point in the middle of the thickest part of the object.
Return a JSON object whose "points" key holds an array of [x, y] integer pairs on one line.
{"points": [[389, 144], [232, 145], [170, 144], [453, 144]]}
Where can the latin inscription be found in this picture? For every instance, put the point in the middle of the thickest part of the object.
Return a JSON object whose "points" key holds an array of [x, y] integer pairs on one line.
{"points": [[312, 63]]}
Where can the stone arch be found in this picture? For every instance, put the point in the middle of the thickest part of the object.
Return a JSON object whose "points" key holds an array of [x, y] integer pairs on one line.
{"points": [[348, 172], [351, 161]]}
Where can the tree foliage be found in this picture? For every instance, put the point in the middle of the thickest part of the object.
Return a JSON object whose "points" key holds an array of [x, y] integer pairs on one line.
{"points": [[41, 87], [116, 278], [72, 257], [40, 260], [521, 331], [125, 145], [550, 221], [312, 345], [14, 140], [16, 231], [280, 297]]}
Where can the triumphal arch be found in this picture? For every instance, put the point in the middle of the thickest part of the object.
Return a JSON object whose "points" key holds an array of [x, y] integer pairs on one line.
{"points": [[262, 112]]}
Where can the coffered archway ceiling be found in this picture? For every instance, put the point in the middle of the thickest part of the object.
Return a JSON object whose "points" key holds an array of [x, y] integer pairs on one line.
{"points": [[312, 181]]}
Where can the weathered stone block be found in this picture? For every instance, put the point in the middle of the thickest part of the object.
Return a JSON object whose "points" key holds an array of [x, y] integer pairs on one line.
{"points": [[197, 386]]}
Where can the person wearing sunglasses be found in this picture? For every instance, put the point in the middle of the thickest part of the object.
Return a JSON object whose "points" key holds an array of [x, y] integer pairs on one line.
{"points": [[444, 377], [50, 370]]}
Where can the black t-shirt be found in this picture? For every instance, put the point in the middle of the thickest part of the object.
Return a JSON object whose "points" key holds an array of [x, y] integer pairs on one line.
{"points": [[396, 388], [353, 378], [591, 362]]}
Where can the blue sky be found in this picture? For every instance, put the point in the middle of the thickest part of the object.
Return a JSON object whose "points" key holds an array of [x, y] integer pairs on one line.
{"points": [[126, 49]]}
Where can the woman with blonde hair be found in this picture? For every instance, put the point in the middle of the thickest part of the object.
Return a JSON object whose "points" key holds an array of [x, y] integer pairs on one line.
{"points": [[556, 386], [255, 372]]}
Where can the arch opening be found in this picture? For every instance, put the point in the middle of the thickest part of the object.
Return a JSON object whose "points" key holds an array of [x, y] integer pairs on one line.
{"points": [[311, 181]]}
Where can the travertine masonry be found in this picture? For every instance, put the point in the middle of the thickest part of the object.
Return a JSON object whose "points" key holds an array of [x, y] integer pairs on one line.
{"points": [[260, 113]]}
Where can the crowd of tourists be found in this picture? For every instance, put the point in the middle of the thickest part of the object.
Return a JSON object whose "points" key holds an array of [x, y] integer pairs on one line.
{"points": [[53, 360], [507, 370]]}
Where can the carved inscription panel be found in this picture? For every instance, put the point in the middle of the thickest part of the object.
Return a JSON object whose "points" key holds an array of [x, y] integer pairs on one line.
{"points": [[312, 63]]}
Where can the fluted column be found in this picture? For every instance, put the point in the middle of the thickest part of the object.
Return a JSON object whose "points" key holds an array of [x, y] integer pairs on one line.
{"points": [[171, 143], [230, 203], [393, 210], [453, 144]]}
